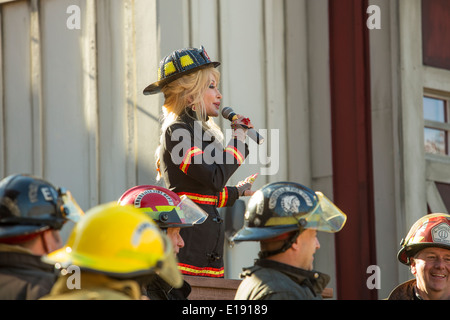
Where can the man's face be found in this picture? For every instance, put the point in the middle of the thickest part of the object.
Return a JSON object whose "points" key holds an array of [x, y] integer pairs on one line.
{"points": [[175, 237], [431, 266], [308, 244]]}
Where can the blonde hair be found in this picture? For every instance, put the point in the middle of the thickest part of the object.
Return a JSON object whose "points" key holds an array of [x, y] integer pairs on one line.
{"points": [[185, 92]]}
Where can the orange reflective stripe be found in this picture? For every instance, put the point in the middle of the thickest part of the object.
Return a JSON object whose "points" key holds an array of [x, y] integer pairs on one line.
{"points": [[199, 271], [223, 197], [200, 198], [187, 158], [236, 154]]}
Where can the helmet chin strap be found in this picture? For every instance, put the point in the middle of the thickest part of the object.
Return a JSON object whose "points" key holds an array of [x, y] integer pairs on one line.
{"points": [[44, 243], [287, 244]]}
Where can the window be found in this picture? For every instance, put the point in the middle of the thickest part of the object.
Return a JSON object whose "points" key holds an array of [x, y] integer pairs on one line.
{"points": [[444, 191], [437, 126]]}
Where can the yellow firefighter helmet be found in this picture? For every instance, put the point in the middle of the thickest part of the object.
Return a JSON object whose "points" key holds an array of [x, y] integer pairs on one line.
{"points": [[119, 241]]}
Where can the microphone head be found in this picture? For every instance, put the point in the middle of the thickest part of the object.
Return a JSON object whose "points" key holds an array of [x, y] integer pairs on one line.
{"points": [[227, 112]]}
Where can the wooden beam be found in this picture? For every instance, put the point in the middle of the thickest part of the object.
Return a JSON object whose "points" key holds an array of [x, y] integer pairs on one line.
{"points": [[351, 144]]}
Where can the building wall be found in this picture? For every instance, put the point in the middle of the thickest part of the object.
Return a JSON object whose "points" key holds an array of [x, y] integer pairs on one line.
{"points": [[83, 122], [384, 50], [72, 108], [73, 112], [406, 178]]}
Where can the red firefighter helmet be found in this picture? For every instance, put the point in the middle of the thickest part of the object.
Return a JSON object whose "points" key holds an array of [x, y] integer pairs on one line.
{"points": [[165, 207], [432, 230]]}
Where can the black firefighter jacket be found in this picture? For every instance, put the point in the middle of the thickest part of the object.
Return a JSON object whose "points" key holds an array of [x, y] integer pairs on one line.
{"points": [[23, 276], [194, 164]]}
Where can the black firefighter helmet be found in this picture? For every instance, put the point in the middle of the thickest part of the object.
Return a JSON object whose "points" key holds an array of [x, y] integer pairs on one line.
{"points": [[283, 207], [30, 205]]}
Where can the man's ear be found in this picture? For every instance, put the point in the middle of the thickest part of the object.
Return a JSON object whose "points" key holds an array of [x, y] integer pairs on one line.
{"points": [[413, 266], [295, 245]]}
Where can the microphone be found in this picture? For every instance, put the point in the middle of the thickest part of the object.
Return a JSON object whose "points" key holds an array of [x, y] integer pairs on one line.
{"points": [[229, 114]]}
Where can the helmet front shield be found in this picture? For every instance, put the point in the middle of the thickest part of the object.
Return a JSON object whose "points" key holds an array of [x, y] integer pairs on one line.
{"points": [[325, 216], [70, 208], [184, 214], [288, 213], [190, 212]]}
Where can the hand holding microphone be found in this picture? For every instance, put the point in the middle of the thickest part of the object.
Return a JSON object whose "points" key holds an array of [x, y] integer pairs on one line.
{"points": [[244, 123], [240, 127]]}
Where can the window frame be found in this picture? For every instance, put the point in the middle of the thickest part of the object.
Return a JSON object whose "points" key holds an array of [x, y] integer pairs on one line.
{"points": [[437, 125], [437, 165]]}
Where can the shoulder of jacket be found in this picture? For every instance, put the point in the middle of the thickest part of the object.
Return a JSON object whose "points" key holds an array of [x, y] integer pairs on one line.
{"points": [[268, 284], [404, 291], [246, 272], [178, 124]]}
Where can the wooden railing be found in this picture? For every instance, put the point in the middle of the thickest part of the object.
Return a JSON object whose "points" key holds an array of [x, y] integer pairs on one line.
{"points": [[204, 288]]}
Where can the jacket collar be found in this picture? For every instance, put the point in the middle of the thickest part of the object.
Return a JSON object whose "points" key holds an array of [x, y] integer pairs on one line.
{"points": [[317, 281], [405, 291], [14, 256], [190, 116]]}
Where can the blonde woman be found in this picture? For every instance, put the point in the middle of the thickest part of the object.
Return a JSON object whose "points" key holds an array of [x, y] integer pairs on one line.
{"points": [[192, 158]]}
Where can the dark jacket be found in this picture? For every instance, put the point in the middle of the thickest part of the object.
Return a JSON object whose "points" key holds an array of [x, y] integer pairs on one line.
{"points": [[405, 291], [23, 276], [195, 165], [158, 289], [271, 280]]}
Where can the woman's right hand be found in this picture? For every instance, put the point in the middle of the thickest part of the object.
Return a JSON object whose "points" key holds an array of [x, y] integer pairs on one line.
{"points": [[245, 187], [240, 127]]}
